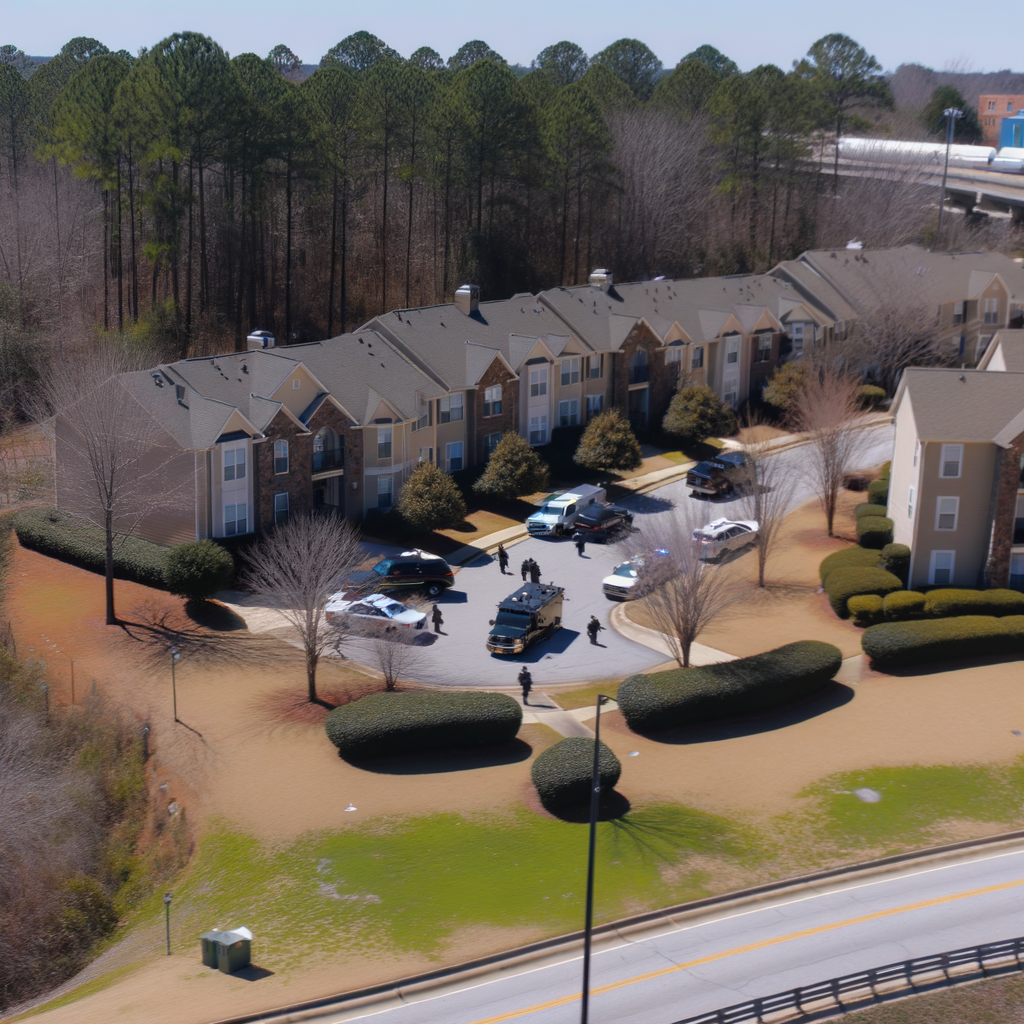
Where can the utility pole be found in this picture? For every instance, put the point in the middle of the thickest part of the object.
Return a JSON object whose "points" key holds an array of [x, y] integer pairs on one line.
{"points": [[595, 797], [167, 916], [951, 114]]}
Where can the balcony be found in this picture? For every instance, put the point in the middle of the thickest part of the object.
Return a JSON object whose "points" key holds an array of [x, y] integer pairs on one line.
{"points": [[325, 461]]}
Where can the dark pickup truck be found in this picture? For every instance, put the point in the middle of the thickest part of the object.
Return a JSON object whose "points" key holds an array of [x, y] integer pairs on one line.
{"points": [[718, 476]]}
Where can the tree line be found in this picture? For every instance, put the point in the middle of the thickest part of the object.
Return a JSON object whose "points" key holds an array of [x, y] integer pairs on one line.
{"points": [[189, 197]]}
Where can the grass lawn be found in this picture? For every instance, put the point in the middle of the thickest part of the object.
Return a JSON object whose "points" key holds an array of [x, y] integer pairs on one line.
{"points": [[587, 695], [995, 1001]]}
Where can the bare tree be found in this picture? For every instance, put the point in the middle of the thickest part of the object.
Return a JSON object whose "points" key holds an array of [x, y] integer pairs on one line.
{"points": [[298, 567], [113, 461], [770, 485], [683, 593], [826, 410], [394, 658]]}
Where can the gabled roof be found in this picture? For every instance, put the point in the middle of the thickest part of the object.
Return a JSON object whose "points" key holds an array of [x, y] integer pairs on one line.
{"points": [[1010, 344], [965, 406]]}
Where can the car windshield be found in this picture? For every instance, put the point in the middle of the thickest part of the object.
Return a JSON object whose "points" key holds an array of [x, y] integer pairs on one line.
{"points": [[626, 570], [383, 568], [515, 619], [552, 510], [393, 608]]}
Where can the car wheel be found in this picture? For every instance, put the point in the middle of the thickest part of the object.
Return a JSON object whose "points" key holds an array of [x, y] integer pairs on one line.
{"points": [[434, 589]]}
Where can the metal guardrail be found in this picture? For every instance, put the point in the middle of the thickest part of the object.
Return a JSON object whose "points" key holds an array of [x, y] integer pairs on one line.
{"points": [[828, 995]]}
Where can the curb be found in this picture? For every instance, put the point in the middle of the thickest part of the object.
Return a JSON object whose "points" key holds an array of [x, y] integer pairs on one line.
{"points": [[631, 929]]}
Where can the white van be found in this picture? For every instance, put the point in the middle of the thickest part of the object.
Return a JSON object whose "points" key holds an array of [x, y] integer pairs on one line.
{"points": [[559, 511]]}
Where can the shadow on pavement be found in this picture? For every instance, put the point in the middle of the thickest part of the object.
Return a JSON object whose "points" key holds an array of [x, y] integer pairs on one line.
{"points": [[612, 808], [452, 761], [252, 973], [558, 644]]}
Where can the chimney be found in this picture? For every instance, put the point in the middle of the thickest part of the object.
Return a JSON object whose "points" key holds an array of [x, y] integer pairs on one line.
{"points": [[601, 279], [467, 298]]}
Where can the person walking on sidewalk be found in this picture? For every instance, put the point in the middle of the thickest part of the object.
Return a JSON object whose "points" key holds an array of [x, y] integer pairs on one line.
{"points": [[502, 559], [580, 541], [526, 682], [436, 619], [593, 628], [525, 567], [534, 572]]}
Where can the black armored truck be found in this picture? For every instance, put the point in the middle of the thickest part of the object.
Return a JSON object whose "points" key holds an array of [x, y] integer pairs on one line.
{"points": [[529, 615]]}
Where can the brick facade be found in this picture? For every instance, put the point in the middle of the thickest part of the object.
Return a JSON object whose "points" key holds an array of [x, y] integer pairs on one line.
{"points": [[760, 372], [328, 415], [1007, 483], [661, 378], [479, 426]]}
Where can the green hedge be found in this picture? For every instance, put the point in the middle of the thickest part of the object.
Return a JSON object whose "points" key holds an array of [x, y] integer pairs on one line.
{"points": [[196, 571], [874, 532], [865, 609], [878, 491], [402, 723], [865, 508], [895, 644], [563, 773], [904, 605], [848, 558], [945, 603], [842, 584], [684, 696], [73, 540], [896, 559]]}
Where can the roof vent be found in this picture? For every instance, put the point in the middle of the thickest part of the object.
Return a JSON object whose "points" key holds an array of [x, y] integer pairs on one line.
{"points": [[601, 279], [467, 298], [259, 339]]}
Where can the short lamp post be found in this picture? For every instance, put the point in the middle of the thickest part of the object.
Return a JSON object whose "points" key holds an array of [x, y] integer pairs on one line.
{"points": [[174, 683], [951, 114], [595, 799], [167, 916]]}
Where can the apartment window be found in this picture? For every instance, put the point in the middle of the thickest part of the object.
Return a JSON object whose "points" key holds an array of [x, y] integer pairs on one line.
{"points": [[638, 366], [280, 456], [491, 442], [426, 454], [538, 430], [796, 335], [911, 497], [1017, 572], [538, 381], [594, 405], [569, 413], [940, 568], [697, 358], [280, 508], [673, 355], [958, 313], [991, 104], [384, 442], [1018, 522], [235, 519], [952, 459], [570, 371], [764, 348], [732, 354], [453, 456], [234, 463], [991, 311], [946, 511], [1009, 108], [449, 409], [595, 367], [385, 491], [296, 384], [492, 401]]}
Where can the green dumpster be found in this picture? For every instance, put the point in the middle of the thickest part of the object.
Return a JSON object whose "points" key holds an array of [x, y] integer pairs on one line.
{"points": [[229, 950]]}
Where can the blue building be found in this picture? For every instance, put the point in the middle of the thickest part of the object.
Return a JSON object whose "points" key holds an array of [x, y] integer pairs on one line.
{"points": [[1011, 133]]}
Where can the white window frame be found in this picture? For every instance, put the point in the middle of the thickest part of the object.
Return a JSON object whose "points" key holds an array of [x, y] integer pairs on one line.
{"points": [[281, 508], [450, 457], [570, 371], [233, 530], [764, 347], [933, 568], [426, 454], [673, 355], [450, 409], [796, 336], [595, 363], [385, 437], [492, 400], [941, 511], [385, 489], [697, 358], [538, 381], [951, 453], [296, 384], [539, 429], [491, 442], [991, 315], [595, 405], [281, 455], [732, 350], [237, 457], [569, 412]]}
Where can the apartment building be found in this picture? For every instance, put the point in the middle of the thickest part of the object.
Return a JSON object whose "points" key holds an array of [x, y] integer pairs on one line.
{"points": [[991, 111]]}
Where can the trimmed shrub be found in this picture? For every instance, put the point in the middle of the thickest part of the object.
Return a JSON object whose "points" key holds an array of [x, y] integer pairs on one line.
{"points": [[874, 532], [73, 540], [893, 644], [198, 570], [847, 558], [404, 723], [896, 559], [685, 696], [945, 603], [609, 443], [903, 605], [865, 609], [867, 509], [430, 499], [842, 584], [513, 468], [563, 773], [696, 412], [871, 396], [878, 491]]}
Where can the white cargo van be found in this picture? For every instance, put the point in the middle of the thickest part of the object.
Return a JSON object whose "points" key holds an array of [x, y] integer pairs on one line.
{"points": [[559, 511]]}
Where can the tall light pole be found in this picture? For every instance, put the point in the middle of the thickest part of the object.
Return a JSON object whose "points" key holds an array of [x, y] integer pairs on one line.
{"points": [[951, 114], [595, 797], [174, 682], [167, 915]]}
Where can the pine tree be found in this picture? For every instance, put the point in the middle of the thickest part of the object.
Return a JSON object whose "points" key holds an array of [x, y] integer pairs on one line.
{"points": [[513, 469], [609, 443], [430, 499], [696, 412]]}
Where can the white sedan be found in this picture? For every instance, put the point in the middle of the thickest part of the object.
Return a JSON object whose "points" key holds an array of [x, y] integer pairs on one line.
{"points": [[376, 608], [721, 536]]}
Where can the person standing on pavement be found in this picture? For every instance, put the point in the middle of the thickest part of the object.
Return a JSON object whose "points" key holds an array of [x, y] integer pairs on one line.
{"points": [[534, 571], [525, 567], [593, 628], [526, 682], [580, 541], [436, 619], [502, 559]]}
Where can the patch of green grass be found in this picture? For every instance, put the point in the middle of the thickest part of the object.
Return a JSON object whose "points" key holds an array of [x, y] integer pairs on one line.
{"points": [[411, 884], [587, 695], [88, 988], [914, 800]]}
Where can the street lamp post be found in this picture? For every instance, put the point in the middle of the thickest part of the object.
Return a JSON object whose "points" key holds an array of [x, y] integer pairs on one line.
{"points": [[595, 797], [174, 683], [167, 915], [951, 114]]}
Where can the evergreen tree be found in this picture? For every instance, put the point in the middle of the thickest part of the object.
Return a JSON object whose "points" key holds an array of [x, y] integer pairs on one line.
{"points": [[688, 89], [714, 60], [633, 63], [564, 62], [513, 469], [426, 59], [430, 499], [696, 412], [284, 61], [359, 52], [609, 443], [966, 129], [470, 53]]}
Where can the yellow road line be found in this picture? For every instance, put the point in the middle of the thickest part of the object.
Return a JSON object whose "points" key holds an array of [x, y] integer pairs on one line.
{"points": [[749, 948]]}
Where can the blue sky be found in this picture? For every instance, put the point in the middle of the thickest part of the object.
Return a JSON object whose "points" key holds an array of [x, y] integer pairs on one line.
{"points": [[750, 31]]}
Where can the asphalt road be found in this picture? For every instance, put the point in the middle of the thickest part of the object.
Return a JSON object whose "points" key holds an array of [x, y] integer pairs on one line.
{"points": [[458, 656], [745, 954]]}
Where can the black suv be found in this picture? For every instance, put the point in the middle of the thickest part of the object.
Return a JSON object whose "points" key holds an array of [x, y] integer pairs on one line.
{"points": [[598, 522], [721, 475], [411, 570]]}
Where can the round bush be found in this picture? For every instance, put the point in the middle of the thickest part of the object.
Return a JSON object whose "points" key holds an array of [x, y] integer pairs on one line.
{"points": [[874, 532], [865, 609], [878, 491], [563, 773], [947, 602], [903, 605], [197, 571], [848, 558], [684, 696], [842, 584], [896, 559], [384, 724], [895, 644], [867, 509]]}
